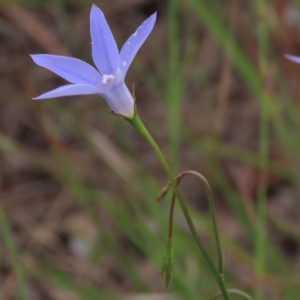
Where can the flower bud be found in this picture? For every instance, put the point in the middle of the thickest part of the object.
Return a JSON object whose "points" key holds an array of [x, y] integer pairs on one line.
{"points": [[167, 268]]}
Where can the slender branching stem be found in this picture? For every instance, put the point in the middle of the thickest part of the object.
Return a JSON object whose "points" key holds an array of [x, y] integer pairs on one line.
{"points": [[137, 123]]}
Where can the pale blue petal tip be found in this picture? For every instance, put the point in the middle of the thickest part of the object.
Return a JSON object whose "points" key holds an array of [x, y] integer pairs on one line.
{"points": [[104, 48], [293, 58], [70, 90], [135, 41]]}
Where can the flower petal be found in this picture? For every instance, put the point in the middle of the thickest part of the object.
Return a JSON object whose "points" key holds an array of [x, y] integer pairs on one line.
{"points": [[120, 100], [70, 90], [104, 48], [293, 58], [134, 43], [69, 68]]}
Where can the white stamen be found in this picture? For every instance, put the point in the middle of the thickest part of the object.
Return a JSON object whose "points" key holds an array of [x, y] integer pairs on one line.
{"points": [[107, 78], [124, 63]]}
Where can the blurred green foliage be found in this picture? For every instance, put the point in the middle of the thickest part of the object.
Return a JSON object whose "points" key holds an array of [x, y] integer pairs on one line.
{"points": [[78, 185]]}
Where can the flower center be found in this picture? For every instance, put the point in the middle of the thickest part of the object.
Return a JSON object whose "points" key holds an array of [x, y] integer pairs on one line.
{"points": [[107, 78]]}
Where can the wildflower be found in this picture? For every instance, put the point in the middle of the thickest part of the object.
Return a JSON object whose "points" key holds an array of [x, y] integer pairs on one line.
{"points": [[293, 58], [108, 80]]}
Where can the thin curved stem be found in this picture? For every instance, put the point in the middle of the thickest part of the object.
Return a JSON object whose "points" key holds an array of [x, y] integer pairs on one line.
{"points": [[211, 207], [137, 123], [212, 212], [234, 291]]}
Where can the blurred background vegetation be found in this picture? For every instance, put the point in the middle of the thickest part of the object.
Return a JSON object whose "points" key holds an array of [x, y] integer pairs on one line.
{"points": [[78, 217]]}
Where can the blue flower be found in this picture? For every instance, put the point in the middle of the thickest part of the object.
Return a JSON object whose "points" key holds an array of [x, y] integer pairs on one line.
{"points": [[293, 58], [108, 80]]}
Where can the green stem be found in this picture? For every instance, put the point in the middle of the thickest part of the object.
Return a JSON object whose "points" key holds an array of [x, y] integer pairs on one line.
{"points": [[13, 255], [260, 237], [212, 214], [234, 291], [211, 209], [137, 123], [174, 84]]}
